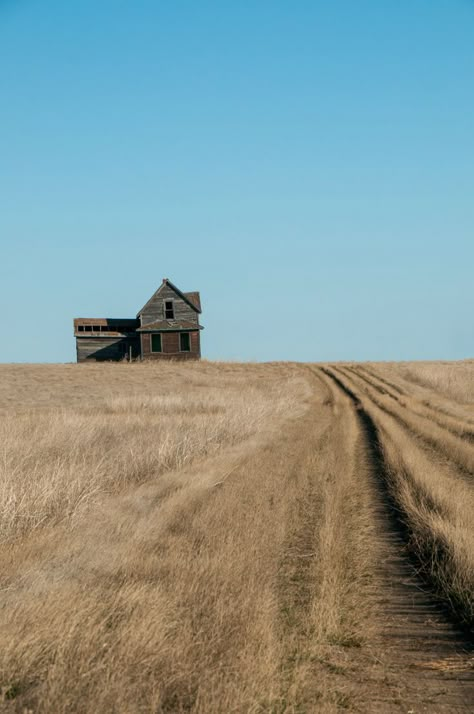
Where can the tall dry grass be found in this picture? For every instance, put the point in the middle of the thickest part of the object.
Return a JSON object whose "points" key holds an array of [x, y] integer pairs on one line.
{"points": [[55, 461], [224, 584], [198, 538]]}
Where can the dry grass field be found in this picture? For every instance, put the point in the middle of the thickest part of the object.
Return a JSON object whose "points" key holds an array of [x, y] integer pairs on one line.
{"points": [[210, 538]]}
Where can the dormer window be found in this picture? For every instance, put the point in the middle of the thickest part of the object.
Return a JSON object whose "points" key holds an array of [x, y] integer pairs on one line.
{"points": [[169, 310]]}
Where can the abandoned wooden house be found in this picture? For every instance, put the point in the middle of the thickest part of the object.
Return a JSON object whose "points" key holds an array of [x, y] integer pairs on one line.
{"points": [[166, 327]]}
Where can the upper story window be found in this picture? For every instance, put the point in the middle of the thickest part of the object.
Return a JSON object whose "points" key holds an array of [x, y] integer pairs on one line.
{"points": [[169, 310]]}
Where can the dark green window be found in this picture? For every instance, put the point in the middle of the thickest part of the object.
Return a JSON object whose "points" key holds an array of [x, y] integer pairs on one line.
{"points": [[156, 343], [184, 342]]}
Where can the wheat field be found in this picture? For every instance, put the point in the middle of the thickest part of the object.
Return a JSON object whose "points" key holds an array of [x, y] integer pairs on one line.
{"points": [[218, 537]]}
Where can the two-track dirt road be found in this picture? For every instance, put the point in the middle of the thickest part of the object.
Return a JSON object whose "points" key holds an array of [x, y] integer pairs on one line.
{"points": [[422, 662]]}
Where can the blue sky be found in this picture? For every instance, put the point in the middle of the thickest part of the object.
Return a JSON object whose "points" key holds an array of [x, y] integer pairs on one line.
{"points": [[309, 166]]}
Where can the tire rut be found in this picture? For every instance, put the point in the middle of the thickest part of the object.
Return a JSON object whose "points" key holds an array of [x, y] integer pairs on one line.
{"points": [[383, 380], [431, 444], [425, 411], [426, 660]]}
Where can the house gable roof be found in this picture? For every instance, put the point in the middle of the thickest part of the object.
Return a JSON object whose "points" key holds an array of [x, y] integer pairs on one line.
{"points": [[192, 299]]}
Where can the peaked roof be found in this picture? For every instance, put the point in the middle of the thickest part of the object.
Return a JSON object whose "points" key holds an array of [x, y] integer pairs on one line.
{"points": [[193, 299]]}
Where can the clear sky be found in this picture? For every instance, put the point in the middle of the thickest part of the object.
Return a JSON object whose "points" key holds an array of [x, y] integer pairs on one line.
{"points": [[307, 165]]}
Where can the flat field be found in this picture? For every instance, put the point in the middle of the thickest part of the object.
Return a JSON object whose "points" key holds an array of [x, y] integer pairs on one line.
{"points": [[219, 538]]}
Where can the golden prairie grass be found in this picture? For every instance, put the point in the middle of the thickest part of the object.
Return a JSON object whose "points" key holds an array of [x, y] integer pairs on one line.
{"points": [[209, 577], [200, 537], [100, 432]]}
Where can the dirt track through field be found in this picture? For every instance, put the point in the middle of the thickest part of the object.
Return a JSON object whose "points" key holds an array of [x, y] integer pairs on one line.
{"points": [[426, 660]]}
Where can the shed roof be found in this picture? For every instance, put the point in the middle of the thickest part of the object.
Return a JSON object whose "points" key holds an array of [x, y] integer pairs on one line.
{"points": [[195, 298], [106, 321], [169, 326]]}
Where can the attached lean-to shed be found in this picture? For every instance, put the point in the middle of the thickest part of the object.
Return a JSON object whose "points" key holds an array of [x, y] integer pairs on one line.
{"points": [[166, 327]]}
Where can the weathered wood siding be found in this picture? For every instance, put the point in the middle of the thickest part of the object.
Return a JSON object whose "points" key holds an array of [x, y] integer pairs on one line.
{"points": [[101, 338], [170, 346], [103, 349], [155, 310]]}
